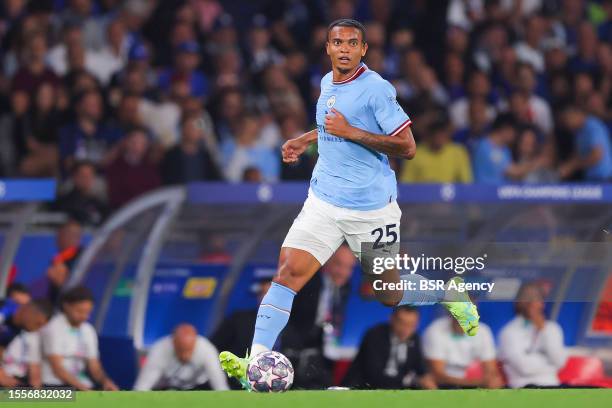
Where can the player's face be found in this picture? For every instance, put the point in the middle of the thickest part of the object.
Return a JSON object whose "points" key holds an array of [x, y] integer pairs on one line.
{"points": [[345, 48]]}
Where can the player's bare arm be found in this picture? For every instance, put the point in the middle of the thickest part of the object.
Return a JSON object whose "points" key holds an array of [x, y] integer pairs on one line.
{"points": [[292, 149], [402, 145]]}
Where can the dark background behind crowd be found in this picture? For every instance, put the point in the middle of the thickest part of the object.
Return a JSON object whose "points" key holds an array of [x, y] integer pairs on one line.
{"points": [[115, 98]]}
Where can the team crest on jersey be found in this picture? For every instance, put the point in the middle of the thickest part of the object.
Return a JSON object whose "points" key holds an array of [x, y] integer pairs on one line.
{"points": [[331, 101]]}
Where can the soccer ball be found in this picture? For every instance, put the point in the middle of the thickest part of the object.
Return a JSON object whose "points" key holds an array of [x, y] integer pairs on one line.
{"points": [[270, 371]]}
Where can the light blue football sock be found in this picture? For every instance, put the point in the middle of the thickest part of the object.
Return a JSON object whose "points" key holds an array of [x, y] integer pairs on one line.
{"points": [[272, 317], [419, 297]]}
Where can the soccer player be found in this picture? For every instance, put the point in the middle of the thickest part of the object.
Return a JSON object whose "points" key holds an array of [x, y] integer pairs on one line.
{"points": [[352, 193]]}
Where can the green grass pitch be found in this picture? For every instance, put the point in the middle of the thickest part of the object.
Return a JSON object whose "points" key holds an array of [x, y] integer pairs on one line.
{"points": [[574, 398]]}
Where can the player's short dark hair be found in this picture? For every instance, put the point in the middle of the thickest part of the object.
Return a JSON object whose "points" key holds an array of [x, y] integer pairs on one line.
{"points": [[348, 22], [43, 306], [77, 294], [405, 308]]}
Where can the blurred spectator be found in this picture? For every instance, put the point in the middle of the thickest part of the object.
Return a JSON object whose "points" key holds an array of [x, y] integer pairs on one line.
{"points": [[440, 160], [230, 111], [21, 343], [18, 293], [249, 149], [585, 59], [57, 57], [493, 163], [261, 52], [21, 362], [82, 202], [528, 150], [529, 50], [111, 58], [390, 355], [189, 160], [450, 352], [479, 87], [539, 109], [454, 71], [88, 137], [311, 336], [70, 346], [72, 55], [81, 12], [132, 173], [34, 70], [593, 153], [478, 124], [182, 361], [531, 347], [186, 62], [68, 242], [14, 318], [39, 149]]}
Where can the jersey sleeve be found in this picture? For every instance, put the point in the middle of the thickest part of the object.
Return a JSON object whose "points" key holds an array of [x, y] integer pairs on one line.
{"points": [[388, 113]]}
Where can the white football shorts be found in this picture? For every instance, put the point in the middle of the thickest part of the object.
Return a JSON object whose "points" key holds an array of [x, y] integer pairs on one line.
{"points": [[320, 228]]}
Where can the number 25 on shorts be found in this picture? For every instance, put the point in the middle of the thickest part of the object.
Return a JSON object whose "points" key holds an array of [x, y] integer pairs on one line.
{"points": [[388, 232]]}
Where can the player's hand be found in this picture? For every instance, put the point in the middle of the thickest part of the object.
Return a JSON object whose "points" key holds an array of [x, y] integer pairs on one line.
{"points": [[109, 385], [337, 125], [292, 149]]}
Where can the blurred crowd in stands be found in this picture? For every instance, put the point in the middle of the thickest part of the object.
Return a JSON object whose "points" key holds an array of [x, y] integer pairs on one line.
{"points": [[115, 98]]}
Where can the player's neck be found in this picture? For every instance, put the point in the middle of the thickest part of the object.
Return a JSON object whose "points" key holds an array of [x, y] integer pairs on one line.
{"points": [[339, 76]]}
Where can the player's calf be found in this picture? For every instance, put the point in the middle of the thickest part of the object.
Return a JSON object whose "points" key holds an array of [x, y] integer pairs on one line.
{"points": [[383, 293]]}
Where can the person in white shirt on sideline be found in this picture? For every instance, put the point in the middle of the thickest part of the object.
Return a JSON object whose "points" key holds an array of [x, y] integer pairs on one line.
{"points": [[70, 346], [22, 359], [182, 361], [531, 347], [450, 352]]}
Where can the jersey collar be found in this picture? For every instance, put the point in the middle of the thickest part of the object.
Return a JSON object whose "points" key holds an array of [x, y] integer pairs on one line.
{"points": [[360, 70]]}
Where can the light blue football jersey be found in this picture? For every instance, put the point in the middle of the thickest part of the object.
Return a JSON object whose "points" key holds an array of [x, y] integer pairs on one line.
{"points": [[347, 174]]}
